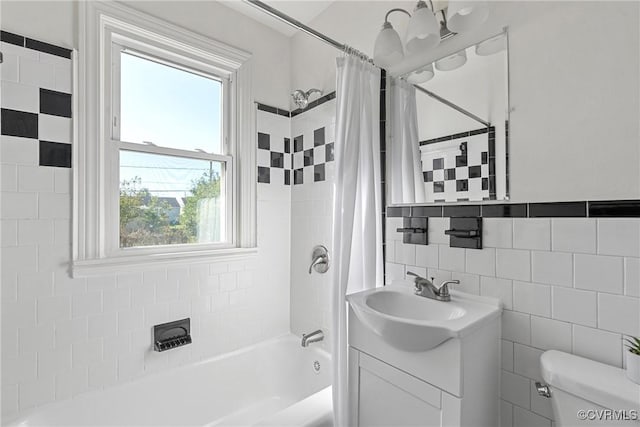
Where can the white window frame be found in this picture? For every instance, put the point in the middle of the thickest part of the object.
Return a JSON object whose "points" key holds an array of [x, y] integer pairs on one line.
{"points": [[96, 146]]}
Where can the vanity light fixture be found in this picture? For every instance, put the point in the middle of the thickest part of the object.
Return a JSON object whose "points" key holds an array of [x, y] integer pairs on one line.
{"points": [[421, 75], [452, 62], [425, 30], [388, 47]]}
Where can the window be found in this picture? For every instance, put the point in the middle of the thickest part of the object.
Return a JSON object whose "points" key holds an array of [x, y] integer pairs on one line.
{"points": [[164, 163], [168, 124]]}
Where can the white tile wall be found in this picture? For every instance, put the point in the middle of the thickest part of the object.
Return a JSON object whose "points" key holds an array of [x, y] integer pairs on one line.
{"points": [[532, 233], [566, 284], [599, 273], [311, 225], [62, 336]]}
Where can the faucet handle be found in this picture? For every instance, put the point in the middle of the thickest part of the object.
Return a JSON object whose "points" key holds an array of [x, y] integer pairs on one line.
{"points": [[444, 287]]}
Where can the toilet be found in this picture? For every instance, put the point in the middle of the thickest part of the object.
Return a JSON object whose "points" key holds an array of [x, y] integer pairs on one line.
{"points": [[588, 393]]}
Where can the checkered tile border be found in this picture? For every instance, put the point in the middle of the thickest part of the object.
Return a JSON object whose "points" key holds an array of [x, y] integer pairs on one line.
{"points": [[467, 177], [35, 112], [294, 160]]}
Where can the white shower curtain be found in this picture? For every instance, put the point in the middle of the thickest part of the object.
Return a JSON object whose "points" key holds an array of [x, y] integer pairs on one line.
{"points": [[406, 182], [357, 207]]}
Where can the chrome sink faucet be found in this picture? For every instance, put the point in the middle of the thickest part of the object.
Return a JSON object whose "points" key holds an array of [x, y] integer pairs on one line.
{"points": [[426, 288]]}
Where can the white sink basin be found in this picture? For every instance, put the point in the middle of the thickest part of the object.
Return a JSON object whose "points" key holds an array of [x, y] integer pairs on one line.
{"points": [[413, 323]]}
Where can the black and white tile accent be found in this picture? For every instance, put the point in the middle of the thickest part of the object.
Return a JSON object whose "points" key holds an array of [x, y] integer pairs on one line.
{"points": [[301, 159], [36, 97], [293, 164], [460, 167]]}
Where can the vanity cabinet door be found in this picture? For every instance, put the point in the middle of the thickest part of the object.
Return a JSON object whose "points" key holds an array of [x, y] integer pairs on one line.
{"points": [[385, 396]]}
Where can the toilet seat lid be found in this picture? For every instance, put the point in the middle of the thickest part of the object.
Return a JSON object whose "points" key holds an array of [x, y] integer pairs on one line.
{"points": [[596, 382]]}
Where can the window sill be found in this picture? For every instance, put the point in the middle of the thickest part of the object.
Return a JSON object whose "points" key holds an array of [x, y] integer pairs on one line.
{"points": [[104, 266]]}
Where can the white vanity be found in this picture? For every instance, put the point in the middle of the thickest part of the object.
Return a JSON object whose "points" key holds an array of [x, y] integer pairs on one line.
{"points": [[415, 361]]}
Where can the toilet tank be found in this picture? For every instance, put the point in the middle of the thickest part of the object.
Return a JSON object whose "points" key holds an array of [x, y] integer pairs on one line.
{"points": [[589, 393]]}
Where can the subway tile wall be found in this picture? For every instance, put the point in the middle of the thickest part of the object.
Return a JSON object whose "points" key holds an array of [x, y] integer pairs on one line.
{"points": [[62, 337], [566, 284], [311, 216]]}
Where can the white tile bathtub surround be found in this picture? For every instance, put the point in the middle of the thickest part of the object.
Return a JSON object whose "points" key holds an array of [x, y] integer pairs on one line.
{"points": [[570, 284], [311, 225], [62, 336]]}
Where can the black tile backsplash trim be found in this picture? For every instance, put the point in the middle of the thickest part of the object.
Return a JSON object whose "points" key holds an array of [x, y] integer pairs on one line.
{"points": [[461, 211], [558, 210], [594, 209], [455, 136], [274, 110], [287, 113], [398, 211], [28, 43], [426, 211], [505, 211], [614, 208], [11, 38], [48, 48]]}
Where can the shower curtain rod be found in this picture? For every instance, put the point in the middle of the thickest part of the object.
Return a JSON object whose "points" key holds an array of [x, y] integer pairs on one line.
{"points": [[343, 47], [452, 105]]}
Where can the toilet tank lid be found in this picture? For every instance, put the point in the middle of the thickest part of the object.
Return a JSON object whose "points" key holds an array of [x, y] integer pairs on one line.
{"points": [[596, 382]]}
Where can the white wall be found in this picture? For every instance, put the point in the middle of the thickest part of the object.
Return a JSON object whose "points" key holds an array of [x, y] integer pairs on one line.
{"points": [[566, 284], [574, 85], [56, 22]]}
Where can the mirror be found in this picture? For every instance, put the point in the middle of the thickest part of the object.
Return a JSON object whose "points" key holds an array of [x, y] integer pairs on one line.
{"points": [[462, 114]]}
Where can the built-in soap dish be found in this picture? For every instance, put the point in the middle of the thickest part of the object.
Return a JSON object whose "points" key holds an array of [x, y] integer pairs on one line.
{"points": [[172, 334]]}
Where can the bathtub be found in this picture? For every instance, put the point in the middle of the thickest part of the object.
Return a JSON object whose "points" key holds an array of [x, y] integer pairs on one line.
{"points": [[273, 383]]}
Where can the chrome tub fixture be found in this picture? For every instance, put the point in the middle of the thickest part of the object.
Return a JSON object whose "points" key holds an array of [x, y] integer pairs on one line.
{"points": [[312, 337]]}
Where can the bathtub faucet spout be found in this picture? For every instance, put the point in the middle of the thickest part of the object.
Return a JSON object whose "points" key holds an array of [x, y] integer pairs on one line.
{"points": [[312, 337]]}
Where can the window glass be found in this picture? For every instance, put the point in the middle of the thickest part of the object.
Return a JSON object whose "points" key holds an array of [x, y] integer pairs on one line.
{"points": [[169, 106], [170, 200]]}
